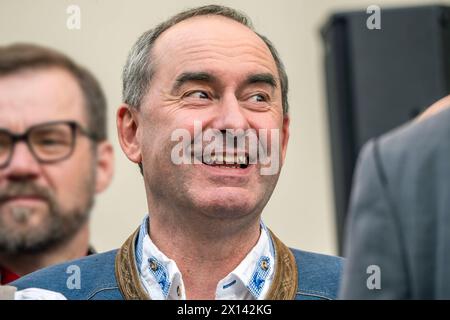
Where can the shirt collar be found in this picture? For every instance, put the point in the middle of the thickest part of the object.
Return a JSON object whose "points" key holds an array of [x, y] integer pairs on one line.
{"points": [[162, 279]]}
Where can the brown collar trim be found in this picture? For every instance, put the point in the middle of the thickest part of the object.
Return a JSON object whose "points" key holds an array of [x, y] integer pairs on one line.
{"points": [[284, 285], [126, 272], [285, 280]]}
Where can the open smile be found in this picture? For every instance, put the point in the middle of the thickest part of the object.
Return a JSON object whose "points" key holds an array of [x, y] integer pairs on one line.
{"points": [[228, 165]]}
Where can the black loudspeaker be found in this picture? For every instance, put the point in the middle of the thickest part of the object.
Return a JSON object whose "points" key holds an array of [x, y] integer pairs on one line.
{"points": [[378, 79]]}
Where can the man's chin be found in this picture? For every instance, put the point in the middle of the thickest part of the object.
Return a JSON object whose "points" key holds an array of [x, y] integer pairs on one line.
{"points": [[23, 215], [227, 204]]}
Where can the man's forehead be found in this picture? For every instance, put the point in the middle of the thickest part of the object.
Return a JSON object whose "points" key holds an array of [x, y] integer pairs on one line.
{"points": [[212, 37], [39, 95], [196, 25]]}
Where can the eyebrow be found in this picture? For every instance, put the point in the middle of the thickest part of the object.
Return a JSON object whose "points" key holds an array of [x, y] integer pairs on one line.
{"points": [[266, 78], [192, 76]]}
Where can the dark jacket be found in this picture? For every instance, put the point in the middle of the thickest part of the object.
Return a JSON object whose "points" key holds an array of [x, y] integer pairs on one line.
{"points": [[400, 215]]}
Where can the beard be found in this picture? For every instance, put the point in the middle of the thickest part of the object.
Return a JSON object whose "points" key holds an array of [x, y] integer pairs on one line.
{"points": [[56, 227]]}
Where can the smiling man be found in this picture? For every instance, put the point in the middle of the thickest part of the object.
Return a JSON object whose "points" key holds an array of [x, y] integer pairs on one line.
{"points": [[54, 157], [205, 112]]}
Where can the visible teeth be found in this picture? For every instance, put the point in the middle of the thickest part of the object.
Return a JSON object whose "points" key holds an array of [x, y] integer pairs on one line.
{"points": [[208, 159], [242, 159], [216, 158], [228, 160]]}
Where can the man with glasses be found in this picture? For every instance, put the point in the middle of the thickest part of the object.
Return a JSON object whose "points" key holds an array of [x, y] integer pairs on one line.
{"points": [[54, 157]]}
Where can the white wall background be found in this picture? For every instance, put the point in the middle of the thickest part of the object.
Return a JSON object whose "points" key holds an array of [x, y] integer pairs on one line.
{"points": [[301, 209]]}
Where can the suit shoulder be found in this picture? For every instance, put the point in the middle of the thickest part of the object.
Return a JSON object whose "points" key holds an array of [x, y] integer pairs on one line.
{"points": [[418, 138], [318, 275], [86, 278]]}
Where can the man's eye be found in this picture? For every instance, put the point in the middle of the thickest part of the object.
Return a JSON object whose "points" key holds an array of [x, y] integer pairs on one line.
{"points": [[51, 142], [258, 98], [198, 94]]}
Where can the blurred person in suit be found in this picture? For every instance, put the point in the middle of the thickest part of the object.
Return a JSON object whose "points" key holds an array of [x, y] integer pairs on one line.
{"points": [[54, 158], [398, 235]]}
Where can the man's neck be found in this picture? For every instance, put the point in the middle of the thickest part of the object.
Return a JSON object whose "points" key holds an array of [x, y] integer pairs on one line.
{"points": [[22, 264], [205, 251]]}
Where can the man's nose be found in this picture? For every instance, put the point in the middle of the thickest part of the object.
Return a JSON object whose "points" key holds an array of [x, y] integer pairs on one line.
{"points": [[231, 115], [23, 165]]}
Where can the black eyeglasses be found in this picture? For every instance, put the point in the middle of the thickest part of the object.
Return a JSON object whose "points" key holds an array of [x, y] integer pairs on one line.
{"points": [[48, 142]]}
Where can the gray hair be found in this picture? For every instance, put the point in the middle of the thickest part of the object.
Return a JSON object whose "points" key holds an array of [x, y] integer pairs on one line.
{"points": [[139, 69]]}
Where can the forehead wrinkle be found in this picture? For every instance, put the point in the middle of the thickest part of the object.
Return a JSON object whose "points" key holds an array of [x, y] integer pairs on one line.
{"points": [[219, 46], [196, 60], [221, 72]]}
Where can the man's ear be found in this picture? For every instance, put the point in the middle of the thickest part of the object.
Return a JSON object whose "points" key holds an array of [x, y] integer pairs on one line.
{"points": [[104, 166], [127, 130], [285, 137]]}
